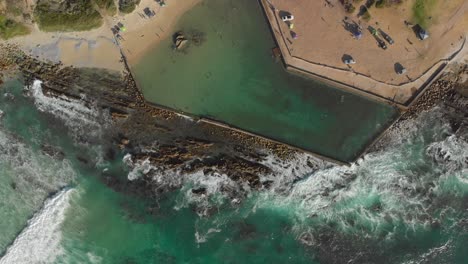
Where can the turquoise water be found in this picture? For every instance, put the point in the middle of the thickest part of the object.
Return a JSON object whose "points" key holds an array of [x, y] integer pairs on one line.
{"points": [[406, 204], [232, 77]]}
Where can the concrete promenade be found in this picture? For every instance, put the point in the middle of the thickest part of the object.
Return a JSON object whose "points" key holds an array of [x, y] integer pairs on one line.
{"points": [[400, 94]]}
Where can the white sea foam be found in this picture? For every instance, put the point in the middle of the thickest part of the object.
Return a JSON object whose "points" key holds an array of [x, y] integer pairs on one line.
{"points": [[217, 186], [34, 175], [39, 242], [78, 117], [143, 168], [28, 178], [202, 238], [396, 184], [186, 117], [93, 258], [432, 254]]}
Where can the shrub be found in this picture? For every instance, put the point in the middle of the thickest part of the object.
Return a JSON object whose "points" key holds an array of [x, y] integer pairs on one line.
{"points": [[81, 18], [127, 6], [107, 5], [380, 3], [421, 11], [10, 28]]}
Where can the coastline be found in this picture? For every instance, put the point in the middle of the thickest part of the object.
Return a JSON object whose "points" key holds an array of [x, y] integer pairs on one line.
{"points": [[435, 73], [95, 172], [99, 47], [68, 42]]}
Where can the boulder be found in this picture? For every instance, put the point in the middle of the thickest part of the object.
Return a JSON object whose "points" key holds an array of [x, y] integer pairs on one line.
{"points": [[180, 41]]}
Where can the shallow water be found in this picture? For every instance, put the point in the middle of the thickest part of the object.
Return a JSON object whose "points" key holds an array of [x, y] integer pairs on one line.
{"points": [[232, 77], [406, 204]]}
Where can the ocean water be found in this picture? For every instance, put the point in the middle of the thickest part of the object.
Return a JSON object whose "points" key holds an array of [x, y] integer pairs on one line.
{"points": [[231, 76], [405, 204]]}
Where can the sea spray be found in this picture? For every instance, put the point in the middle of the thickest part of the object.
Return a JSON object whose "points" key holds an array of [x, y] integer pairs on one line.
{"points": [[27, 178], [40, 241], [393, 194], [399, 189], [81, 119], [405, 203], [86, 123], [213, 186]]}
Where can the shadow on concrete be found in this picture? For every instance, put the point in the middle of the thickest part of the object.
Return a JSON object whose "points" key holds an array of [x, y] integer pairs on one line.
{"points": [[346, 57], [398, 68], [283, 13], [362, 11]]}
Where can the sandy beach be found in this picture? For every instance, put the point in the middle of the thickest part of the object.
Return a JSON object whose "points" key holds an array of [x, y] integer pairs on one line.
{"points": [[142, 33], [98, 47], [95, 48]]}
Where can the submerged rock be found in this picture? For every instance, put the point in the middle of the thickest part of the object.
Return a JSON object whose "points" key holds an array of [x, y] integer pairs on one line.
{"points": [[52, 151], [180, 41], [201, 190]]}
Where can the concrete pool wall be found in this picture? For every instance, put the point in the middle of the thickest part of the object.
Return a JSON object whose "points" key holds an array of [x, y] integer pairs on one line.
{"points": [[148, 81]]}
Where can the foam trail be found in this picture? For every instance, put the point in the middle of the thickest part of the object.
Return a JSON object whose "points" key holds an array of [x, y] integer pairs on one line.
{"points": [[186, 117], [39, 242], [400, 183], [77, 117]]}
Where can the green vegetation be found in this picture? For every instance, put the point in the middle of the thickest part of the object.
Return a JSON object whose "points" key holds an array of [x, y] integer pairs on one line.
{"points": [[348, 5], [366, 15], [380, 3], [350, 8], [127, 6], [81, 17], [10, 28], [422, 10], [107, 5]]}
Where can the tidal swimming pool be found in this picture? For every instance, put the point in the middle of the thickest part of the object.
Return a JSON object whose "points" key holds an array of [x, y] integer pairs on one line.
{"points": [[231, 76]]}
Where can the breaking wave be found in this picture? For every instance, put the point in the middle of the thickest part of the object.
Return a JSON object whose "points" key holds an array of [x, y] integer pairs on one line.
{"points": [[401, 189], [40, 241], [27, 178], [82, 120]]}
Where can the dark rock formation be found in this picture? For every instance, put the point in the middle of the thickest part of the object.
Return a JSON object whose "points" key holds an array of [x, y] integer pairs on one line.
{"points": [[168, 141], [180, 41]]}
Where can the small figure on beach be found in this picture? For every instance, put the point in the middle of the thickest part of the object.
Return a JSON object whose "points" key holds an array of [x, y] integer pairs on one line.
{"points": [[294, 35]]}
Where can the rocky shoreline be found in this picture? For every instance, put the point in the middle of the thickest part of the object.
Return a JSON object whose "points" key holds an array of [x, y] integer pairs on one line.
{"points": [[173, 143], [170, 142], [449, 92]]}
